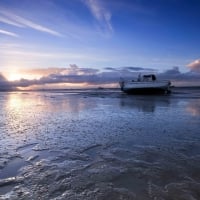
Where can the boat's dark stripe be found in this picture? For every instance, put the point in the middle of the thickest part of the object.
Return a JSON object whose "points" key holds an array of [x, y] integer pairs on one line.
{"points": [[145, 91]]}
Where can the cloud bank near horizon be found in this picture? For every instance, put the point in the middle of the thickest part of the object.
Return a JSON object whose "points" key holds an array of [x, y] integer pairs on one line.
{"points": [[94, 77]]}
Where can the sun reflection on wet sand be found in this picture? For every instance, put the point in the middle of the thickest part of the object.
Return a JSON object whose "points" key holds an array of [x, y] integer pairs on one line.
{"points": [[39, 101], [29, 113], [194, 108]]}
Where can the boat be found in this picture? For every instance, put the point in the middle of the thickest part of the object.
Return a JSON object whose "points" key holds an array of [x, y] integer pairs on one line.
{"points": [[146, 84]]}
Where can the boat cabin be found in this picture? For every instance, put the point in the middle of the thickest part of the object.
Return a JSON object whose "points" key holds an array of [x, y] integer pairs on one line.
{"points": [[150, 77]]}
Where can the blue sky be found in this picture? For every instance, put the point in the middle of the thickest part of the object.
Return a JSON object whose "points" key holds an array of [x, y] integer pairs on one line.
{"points": [[44, 37]]}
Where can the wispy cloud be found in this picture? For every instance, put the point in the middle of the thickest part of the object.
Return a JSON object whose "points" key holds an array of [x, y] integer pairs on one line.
{"points": [[8, 33], [18, 21], [10, 22], [101, 14]]}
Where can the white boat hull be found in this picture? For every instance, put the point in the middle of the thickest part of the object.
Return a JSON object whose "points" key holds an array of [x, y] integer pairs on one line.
{"points": [[147, 87]]}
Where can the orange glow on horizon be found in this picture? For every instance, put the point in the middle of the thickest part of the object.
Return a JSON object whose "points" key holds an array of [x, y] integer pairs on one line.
{"points": [[56, 86]]}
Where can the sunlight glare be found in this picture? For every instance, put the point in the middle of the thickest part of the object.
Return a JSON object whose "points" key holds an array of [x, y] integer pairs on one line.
{"points": [[14, 77], [17, 75]]}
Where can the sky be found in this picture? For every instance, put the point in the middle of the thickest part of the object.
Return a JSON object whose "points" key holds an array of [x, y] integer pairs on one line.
{"points": [[89, 43]]}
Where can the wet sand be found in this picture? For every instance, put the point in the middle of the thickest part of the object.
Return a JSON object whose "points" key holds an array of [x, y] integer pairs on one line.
{"points": [[100, 144]]}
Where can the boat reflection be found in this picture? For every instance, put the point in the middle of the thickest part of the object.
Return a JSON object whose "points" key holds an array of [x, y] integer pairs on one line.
{"points": [[146, 104]]}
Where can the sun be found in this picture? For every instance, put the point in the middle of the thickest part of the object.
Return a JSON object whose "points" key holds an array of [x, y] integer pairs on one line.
{"points": [[14, 76], [18, 75]]}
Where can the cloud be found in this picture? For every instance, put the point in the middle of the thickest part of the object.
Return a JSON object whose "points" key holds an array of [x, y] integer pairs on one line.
{"points": [[90, 76], [75, 74], [186, 78], [2, 78], [101, 14], [73, 69], [16, 20], [110, 68], [194, 66], [42, 71], [10, 22], [8, 33], [71, 74], [174, 72], [5, 84], [130, 69]]}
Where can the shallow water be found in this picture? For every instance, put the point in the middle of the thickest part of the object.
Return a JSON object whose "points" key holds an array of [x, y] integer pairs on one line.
{"points": [[100, 144]]}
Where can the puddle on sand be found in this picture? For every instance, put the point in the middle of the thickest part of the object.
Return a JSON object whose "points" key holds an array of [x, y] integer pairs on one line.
{"points": [[9, 176], [12, 168], [6, 188]]}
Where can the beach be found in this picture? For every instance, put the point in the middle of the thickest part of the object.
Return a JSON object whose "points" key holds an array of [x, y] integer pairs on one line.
{"points": [[100, 144]]}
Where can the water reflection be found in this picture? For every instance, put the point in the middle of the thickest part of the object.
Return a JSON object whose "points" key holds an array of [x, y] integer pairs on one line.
{"points": [[51, 102], [32, 114], [145, 103], [18, 116], [193, 107], [95, 147]]}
